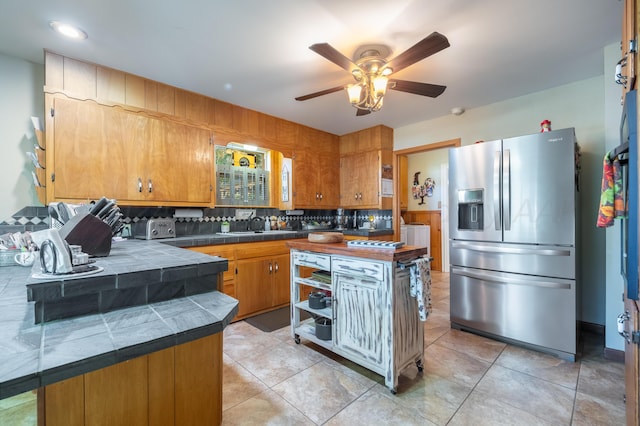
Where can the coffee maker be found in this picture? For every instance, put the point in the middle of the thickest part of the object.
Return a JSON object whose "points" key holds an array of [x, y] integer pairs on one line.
{"points": [[341, 220]]}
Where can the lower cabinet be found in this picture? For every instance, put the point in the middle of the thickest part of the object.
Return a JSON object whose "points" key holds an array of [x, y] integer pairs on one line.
{"points": [[258, 274], [181, 385], [262, 283], [228, 252], [361, 300]]}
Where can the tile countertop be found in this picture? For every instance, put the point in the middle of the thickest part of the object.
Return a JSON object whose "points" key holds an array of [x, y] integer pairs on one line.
{"points": [[230, 238], [34, 355]]}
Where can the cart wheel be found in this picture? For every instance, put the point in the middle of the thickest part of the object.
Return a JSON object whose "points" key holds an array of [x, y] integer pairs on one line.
{"points": [[393, 391], [420, 366], [297, 339]]}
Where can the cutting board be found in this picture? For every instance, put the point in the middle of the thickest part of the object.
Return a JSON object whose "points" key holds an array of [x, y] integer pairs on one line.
{"points": [[325, 237]]}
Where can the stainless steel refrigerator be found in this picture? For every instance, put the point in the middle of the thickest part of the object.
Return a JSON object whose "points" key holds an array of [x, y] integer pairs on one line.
{"points": [[512, 240]]}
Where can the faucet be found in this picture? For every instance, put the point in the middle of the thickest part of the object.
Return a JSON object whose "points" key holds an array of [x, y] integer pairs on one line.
{"points": [[249, 221], [252, 226]]}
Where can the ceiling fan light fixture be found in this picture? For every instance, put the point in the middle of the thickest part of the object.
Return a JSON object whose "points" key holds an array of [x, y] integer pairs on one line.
{"points": [[371, 70], [354, 91], [380, 86]]}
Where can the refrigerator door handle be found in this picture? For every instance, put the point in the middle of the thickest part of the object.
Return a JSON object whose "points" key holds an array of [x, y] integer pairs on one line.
{"points": [[497, 210], [506, 184], [500, 279], [509, 250]]}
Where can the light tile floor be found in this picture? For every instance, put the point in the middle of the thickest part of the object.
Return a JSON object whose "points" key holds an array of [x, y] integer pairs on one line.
{"points": [[467, 380]]}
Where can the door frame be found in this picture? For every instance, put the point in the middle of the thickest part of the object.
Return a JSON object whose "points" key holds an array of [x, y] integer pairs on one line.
{"points": [[451, 143]]}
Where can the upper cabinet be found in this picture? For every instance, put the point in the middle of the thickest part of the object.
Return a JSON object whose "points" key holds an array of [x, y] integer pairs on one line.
{"points": [[366, 174], [98, 151], [316, 170]]}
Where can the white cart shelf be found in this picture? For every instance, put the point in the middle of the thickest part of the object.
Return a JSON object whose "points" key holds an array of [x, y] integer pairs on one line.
{"points": [[375, 321]]}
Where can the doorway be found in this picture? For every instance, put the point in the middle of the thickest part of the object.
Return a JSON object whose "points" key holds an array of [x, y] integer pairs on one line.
{"points": [[437, 218]]}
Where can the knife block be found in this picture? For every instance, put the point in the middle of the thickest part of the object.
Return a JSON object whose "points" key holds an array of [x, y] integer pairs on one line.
{"points": [[88, 231]]}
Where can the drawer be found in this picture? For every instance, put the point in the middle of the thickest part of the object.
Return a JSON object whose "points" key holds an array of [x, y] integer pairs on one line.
{"points": [[312, 260], [357, 267]]}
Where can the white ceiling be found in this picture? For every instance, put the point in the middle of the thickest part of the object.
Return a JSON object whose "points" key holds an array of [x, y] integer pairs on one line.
{"points": [[254, 53]]}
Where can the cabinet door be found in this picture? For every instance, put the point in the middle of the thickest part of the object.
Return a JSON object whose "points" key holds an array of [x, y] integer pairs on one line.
{"points": [[253, 285], [369, 178], [360, 180], [176, 165], [316, 179], [281, 283], [358, 305], [328, 180], [304, 191], [92, 152]]}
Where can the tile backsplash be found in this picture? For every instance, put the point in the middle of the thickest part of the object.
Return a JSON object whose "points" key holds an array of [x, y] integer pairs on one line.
{"points": [[34, 218]]}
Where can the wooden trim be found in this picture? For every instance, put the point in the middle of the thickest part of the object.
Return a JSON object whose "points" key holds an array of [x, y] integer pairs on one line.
{"points": [[451, 143], [396, 212], [614, 355]]}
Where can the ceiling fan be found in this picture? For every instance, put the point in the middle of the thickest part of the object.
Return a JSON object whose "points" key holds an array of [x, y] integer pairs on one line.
{"points": [[371, 71]]}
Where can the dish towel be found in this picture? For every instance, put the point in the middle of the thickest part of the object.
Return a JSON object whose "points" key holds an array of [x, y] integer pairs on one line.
{"points": [[420, 285], [612, 203]]}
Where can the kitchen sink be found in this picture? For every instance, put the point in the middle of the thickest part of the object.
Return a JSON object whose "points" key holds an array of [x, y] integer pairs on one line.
{"points": [[240, 233]]}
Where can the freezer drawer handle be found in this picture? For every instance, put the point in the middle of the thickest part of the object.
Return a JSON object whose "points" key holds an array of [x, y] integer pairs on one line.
{"points": [[492, 277], [510, 250]]}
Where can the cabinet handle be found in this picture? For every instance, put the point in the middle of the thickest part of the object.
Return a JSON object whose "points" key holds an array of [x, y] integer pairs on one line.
{"points": [[360, 196], [356, 197], [277, 267], [270, 267], [150, 186], [139, 185], [321, 195]]}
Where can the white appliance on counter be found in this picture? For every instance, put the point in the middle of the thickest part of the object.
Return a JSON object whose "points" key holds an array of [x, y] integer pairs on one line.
{"points": [[416, 235]]}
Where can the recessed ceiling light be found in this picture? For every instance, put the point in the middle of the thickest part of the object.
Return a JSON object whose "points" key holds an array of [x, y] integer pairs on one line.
{"points": [[68, 30]]}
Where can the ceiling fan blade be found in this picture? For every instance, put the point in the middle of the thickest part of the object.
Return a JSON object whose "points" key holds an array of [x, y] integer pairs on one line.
{"points": [[320, 93], [328, 52], [424, 89], [428, 46], [361, 112]]}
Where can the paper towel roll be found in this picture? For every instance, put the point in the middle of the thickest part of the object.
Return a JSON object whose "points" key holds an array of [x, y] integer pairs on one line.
{"points": [[197, 213]]}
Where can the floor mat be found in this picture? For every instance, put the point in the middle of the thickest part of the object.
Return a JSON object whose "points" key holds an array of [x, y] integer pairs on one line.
{"points": [[273, 320]]}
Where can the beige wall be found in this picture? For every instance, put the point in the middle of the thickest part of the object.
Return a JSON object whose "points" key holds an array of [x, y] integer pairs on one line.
{"points": [[580, 105], [21, 85], [428, 164]]}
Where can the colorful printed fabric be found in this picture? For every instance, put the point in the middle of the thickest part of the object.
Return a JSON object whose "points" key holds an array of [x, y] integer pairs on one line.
{"points": [[420, 286], [612, 203]]}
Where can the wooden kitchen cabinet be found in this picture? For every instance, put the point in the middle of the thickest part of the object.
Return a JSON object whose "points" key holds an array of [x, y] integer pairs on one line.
{"points": [[226, 251], [99, 150], [363, 156], [176, 386], [262, 283], [258, 274], [316, 170], [360, 180], [628, 46]]}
